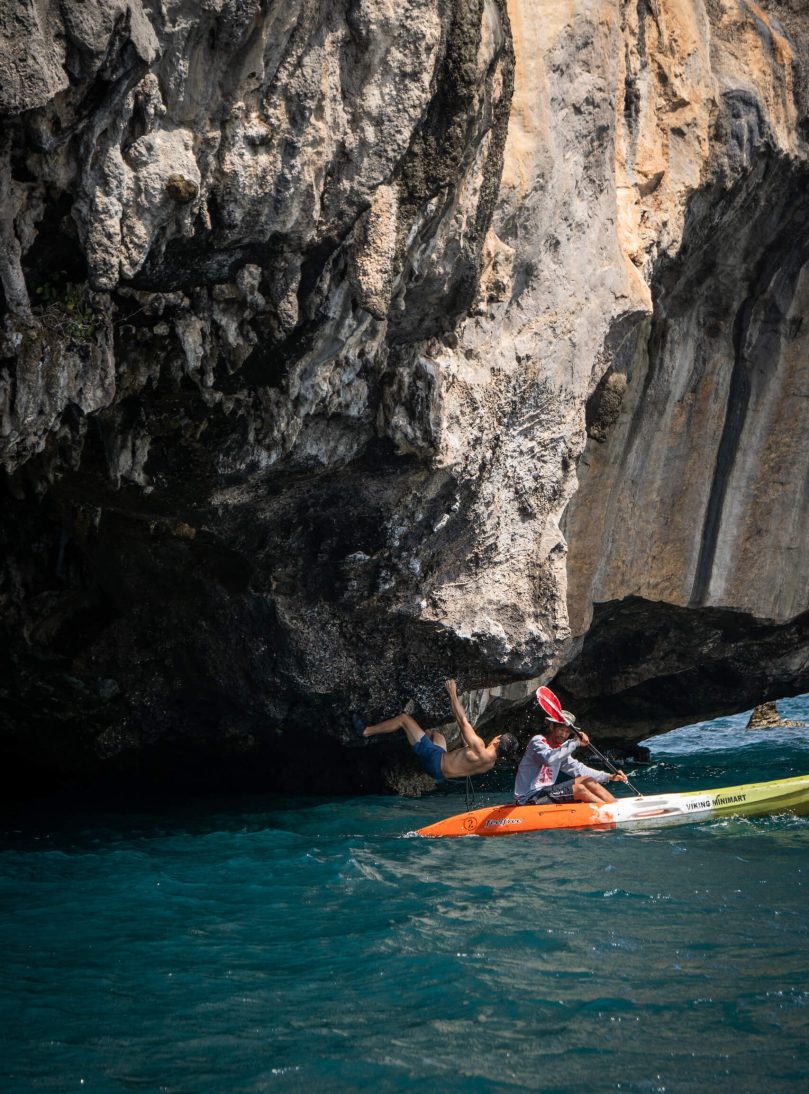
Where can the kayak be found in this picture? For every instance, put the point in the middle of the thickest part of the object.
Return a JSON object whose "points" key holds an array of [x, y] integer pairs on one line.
{"points": [[753, 799]]}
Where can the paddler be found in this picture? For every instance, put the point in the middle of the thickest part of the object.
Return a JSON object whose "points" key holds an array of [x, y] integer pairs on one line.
{"points": [[474, 757], [549, 754]]}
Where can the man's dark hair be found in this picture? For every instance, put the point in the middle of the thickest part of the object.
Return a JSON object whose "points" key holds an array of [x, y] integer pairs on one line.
{"points": [[508, 748]]}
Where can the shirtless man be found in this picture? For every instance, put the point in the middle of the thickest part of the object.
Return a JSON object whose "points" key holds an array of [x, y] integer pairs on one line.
{"points": [[546, 756], [472, 758]]}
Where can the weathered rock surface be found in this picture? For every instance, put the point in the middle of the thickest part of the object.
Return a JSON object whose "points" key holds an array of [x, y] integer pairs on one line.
{"points": [[766, 716], [693, 494], [349, 346]]}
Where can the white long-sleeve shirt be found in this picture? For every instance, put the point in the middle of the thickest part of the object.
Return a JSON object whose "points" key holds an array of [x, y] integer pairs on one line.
{"points": [[541, 763]]}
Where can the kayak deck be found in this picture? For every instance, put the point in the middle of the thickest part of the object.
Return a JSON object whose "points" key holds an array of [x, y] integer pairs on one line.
{"points": [[751, 799]]}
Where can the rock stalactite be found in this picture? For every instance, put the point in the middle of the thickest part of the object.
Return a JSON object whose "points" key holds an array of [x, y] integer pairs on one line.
{"points": [[347, 346]]}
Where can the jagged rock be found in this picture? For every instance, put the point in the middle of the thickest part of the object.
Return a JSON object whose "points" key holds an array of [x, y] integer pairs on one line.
{"points": [[766, 716], [351, 346]]}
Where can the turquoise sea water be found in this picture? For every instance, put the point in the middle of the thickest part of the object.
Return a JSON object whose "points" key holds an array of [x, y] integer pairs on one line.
{"points": [[265, 945]]}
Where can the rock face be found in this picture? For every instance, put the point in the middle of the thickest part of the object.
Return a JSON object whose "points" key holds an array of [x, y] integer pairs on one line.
{"points": [[766, 716], [352, 345], [692, 493]]}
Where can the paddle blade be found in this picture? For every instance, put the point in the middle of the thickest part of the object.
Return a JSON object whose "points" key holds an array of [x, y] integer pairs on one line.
{"points": [[551, 705]]}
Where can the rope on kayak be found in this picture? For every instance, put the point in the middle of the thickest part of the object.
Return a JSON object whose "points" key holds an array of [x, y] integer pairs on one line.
{"points": [[469, 794]]}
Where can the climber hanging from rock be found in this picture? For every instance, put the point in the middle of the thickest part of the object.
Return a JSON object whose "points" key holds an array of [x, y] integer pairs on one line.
{"points": [[474, 757]]}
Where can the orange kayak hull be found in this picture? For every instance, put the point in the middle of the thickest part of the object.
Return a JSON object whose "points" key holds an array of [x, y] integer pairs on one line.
{"points": [[508, 820]]}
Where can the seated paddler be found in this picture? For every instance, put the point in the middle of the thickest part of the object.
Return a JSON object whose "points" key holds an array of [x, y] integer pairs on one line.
{"points": [[548, 774]]}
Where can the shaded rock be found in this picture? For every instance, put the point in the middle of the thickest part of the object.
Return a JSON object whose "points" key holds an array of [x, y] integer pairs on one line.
{"points": [[181, 189], [401, 778], [653, 665]]}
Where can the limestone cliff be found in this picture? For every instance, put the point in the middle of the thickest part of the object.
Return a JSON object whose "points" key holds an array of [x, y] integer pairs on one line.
{"points": [[325, 321]]}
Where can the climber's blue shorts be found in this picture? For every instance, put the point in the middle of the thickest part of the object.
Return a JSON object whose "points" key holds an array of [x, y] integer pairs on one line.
{"points": [[430, 755]]}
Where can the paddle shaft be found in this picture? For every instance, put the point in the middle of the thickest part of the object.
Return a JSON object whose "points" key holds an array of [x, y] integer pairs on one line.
{"points": [[604, 759]]}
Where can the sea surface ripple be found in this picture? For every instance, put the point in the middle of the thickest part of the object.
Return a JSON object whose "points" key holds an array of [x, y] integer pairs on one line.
{"points": [[268, 945]]}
